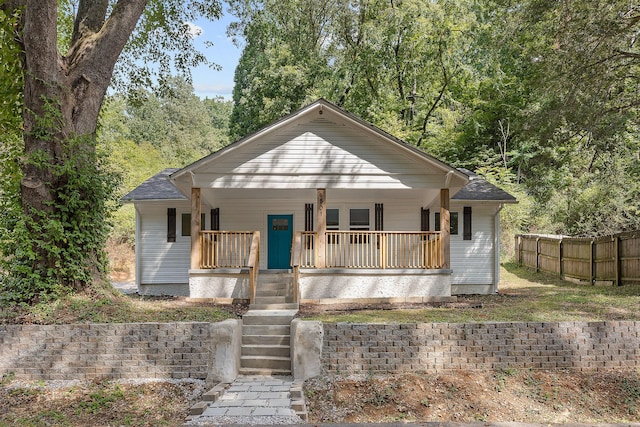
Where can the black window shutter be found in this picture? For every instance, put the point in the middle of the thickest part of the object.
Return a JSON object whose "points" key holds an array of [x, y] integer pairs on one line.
{"points": [[424, 219], [171, 224], [436, 221], [215, 219], [467, 223], [308, 217], [379, 217]]}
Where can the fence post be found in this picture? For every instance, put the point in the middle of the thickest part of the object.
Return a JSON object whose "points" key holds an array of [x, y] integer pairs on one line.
{"points": [[592, 267], [537, 254], [517, 248], [560, 269], [616, 254]]}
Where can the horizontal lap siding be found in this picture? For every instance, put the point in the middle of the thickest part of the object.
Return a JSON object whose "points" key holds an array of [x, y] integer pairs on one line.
{"points": [[163, 262], [323, 153], [473, 260]]}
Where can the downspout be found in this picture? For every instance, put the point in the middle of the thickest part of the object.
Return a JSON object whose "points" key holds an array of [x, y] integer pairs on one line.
{"points": [[496, 245]]}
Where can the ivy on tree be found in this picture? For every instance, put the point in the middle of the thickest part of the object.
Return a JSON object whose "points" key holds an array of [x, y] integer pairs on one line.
{"points": [[64, 193]]}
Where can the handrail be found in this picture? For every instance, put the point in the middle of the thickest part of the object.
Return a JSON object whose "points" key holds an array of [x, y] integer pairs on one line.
{"points": [[296, 249], [254, 265], [232, 249]]}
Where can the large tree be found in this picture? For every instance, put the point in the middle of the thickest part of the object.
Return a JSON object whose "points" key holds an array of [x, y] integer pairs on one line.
{"points": [[63, 191]]}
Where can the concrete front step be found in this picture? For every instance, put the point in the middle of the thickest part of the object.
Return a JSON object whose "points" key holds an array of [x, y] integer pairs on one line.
{"points": [[272, 300], [273, 285], [266, 340], [270, 306], [265, 350], [265, 372], [265, 362], [266, 330], [268, 317], [261, 293]]}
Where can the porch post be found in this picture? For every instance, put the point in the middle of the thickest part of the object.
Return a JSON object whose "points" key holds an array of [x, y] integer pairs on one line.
{"points": [[445, 228], [322, 228], [195, 227]]}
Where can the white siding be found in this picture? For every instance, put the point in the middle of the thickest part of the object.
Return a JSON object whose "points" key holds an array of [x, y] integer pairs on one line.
{"points": [[320, 154], [473, 260], [162, 262]]}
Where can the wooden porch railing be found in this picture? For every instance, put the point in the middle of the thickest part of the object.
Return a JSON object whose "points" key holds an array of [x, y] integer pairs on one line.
{"points": [[371, 249], [232, 249]]}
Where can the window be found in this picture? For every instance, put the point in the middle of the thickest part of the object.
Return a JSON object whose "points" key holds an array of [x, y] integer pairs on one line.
{"points": [[186, 223], [333, 224], [333, 219], [453, 219], [359, 219]]}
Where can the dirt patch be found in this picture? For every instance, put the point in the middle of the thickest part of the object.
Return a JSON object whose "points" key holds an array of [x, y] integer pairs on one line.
{"points": [[98, 403], [313, 310], [508, 395]]}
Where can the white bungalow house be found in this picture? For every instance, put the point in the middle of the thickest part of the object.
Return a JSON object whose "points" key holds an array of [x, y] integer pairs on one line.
{"points": [[345, 209]]}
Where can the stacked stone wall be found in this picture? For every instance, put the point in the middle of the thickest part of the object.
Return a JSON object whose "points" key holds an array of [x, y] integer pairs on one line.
{"points": [[114, 351], [433, 347], [181, 350]]}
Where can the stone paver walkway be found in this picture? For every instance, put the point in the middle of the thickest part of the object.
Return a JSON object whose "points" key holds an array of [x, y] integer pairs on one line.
{"points": [[252, 400]]}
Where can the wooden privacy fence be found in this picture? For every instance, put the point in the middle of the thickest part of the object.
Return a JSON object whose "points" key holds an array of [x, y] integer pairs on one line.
{"points": [[611, 258]]}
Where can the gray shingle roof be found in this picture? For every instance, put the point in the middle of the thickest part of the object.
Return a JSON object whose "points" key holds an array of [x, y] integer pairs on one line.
{"points": [[479, 189], [158, 187]]}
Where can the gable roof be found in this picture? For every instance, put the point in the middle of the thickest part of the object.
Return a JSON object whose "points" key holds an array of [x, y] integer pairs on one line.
{"points": [[158, 187], [478, 189], [455, 177]]}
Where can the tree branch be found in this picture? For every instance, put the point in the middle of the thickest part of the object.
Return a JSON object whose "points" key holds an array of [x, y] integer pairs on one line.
{"points": [[445, 84], [90, 18], [626, 54]]}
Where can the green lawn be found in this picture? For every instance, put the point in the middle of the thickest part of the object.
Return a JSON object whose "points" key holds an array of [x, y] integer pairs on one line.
{"points": [[524, 296]]}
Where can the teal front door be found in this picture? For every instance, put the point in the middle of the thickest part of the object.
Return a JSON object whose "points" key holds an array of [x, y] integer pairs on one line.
{"points": [[279, 238]]}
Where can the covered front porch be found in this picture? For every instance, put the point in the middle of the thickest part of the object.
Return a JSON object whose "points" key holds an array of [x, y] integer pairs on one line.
{"points": [[324, 264]]}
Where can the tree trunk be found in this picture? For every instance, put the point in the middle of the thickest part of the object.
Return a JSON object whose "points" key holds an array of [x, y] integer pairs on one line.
{"points": [[62, 100]]}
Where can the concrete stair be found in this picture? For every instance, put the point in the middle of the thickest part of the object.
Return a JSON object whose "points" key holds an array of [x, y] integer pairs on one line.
{"points": [[266, 327]]}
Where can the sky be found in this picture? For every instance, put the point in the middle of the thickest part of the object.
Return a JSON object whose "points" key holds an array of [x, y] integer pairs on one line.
{"points": [[209, 83]]}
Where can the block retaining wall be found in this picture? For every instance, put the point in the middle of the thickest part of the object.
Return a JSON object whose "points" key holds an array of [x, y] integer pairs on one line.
{"points": [[114, 351], [393, 348], [180, 350]]}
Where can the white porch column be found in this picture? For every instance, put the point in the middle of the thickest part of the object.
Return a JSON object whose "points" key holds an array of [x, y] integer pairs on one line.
{"points": [[196, 209], [445, 228], [322, 228]]}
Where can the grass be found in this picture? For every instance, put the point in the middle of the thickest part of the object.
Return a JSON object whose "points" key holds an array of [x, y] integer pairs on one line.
{"points": [[110, 306], [524, 296]]}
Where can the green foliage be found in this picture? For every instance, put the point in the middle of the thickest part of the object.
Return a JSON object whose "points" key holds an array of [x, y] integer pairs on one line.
{"points": [[69, 235], [175, 122], [541, 96], [163, 45]]}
